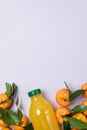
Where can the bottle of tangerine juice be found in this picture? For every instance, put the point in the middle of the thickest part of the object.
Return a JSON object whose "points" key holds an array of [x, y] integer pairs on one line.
{"points": [[41, 112]]}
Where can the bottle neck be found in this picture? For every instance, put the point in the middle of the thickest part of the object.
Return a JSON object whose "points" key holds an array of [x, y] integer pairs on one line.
{"points": [[36, 97]]}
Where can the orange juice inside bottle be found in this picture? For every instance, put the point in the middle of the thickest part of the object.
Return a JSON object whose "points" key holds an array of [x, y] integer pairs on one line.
{"points": [[41, 112]]}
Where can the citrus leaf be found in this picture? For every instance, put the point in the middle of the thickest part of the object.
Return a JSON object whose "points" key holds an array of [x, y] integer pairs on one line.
{"points": [[66, 126], [9, 117], [11, 89], [77, 123], [29, 127], [13, 116], [70, 92], [2, 111], [75, 94], [17, 101], [80, 108], [14, 88], [19, 114], [5, 117], [8, 89]]}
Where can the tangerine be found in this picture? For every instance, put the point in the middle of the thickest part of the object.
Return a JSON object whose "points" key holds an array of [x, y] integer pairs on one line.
{"points": [[84, 87], [60, 112], [2, 124], [24, 120], [80, 116], [85, 103], [74, 129], [62, 97], [5, 102], [17, 127], [6, 128]]}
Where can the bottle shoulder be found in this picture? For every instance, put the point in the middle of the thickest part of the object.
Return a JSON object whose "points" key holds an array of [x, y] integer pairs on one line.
{"points": [[43, 106], [39, 101]]}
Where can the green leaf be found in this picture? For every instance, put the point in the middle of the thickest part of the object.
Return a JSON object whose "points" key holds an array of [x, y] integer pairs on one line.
{"points": [[19, 114], [29, 127], [75, 94], [13, 116], [9, 117], [5, 117], [17, 101], [80, 108], [77, 123], [8, 89], [14, 88], [11, 89], [2, 111], [66, 126], [70, 92]]}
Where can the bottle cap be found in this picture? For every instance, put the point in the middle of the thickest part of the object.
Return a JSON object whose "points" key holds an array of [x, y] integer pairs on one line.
{"points": [[34, 92]]}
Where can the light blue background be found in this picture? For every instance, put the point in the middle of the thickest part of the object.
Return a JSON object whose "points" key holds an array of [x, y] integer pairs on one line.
{"points": [[42, 44]]}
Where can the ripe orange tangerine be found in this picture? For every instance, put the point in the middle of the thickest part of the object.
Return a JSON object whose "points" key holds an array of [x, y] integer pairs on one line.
{"points": [[2, 124], [84, 87], [80, 116], [85, 103], [74, 129], [62, 97], [60, 112], [16, 127], [6, 128], [24, 121], [5, 102]]}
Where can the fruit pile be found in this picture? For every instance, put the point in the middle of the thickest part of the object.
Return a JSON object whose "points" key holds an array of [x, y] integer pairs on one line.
{"points": [[75, 118], [68, 119], [11, 120]]}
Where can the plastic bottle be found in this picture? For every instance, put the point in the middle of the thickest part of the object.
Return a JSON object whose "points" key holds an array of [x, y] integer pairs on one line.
{"points": [[41, 112]]}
